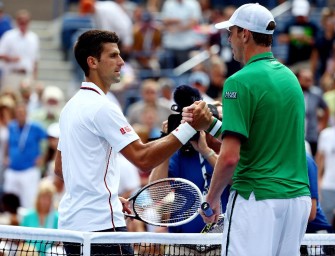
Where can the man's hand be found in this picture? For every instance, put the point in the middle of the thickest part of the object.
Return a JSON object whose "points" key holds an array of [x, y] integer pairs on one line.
{"points": [[216, 213], [125, 205], [198, 115], [201, 145]]}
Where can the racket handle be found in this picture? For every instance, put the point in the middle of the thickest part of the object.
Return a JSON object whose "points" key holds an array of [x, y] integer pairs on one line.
{"points": [[205, 207]]}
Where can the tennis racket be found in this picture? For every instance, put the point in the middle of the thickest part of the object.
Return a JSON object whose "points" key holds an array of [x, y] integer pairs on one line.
{"points": [[214, 227], [166, 202], [210, 228]]}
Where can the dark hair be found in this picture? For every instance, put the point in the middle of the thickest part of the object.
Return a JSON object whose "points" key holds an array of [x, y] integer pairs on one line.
{"points": [[10, 203], [90, 43], [264, 39]]}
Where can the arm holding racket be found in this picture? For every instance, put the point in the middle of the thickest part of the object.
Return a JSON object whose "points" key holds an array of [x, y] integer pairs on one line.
{"points": [[223, 173]]}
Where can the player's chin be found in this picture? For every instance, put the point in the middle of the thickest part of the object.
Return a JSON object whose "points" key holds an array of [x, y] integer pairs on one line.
{"points": [[116, 79]]}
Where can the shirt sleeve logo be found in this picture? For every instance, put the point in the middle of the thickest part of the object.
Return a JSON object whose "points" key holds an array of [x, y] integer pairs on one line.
{"points": [[125, 129], [230, 95]]}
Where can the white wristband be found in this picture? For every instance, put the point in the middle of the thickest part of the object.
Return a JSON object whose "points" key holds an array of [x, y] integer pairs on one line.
{"points": [[215, 131], [184, 132]]}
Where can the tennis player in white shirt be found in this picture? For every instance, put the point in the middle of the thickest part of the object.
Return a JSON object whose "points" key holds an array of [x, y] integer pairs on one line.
{"points": [[93, 131]]}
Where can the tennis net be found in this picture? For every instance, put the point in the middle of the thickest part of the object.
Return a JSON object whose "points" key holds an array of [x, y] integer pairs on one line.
{"points": [[23, 241]]}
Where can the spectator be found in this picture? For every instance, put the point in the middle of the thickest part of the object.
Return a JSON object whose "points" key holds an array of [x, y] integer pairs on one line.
{"points": [[314, 102], [323, 48], [167, 86], [49, 160], [179, 18], [109, 15], [43, 215], [149, 119], [52, 103], [217, 75], [200, 81], [19, 51], [30, 92], [220, 38], [24, 157], [329, 97], [325, 159], [299, 33], [6, 115], [10, 204], [150, 96], [147, 42], [317, 222]]}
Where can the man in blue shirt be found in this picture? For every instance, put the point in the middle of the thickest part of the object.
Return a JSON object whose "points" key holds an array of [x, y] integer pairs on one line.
{"points": [[24, 157], [317, 222]]}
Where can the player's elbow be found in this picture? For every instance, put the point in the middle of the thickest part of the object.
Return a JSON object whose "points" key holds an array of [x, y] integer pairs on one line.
{"points": [[145, 165], [231, 160]]}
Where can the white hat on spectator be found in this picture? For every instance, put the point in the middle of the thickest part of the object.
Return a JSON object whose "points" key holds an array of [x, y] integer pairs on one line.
{"points": [[52, 92], [253, 17], [199, 77], [300, 8]]}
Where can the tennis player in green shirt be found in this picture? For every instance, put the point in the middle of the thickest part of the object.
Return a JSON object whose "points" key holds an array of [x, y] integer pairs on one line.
{"points": [[262, 150]]}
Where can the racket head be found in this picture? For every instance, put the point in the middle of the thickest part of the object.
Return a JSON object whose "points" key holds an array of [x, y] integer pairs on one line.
{"points": [[167, 202]]}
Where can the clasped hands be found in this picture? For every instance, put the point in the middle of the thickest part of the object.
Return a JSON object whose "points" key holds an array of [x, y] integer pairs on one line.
{"points": [[198, 115]]}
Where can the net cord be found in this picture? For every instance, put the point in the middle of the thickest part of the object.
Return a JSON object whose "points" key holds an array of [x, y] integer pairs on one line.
{"points": [[86, 238]]}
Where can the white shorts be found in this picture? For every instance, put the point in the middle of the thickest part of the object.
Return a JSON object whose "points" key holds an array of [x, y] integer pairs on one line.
{"points": [[24, 184], [265, 227]]}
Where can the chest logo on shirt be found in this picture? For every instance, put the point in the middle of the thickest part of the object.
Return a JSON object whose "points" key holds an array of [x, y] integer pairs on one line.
{"points": [[125, 129], [230, 95]]}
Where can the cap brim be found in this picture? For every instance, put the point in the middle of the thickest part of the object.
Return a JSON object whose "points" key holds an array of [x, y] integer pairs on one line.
{"points": [[224, 24]]}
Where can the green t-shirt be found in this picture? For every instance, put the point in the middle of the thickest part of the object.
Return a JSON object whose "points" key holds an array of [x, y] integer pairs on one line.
{"points": [[263, 104]]}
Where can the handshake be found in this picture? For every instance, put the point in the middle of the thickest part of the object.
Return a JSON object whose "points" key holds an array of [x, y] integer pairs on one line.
{"points": [[194, 112]]}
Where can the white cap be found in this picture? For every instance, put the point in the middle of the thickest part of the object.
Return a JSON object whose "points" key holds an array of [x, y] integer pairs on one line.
{"points": [[52, 92], [300, 8], [253, 17], [199, 77]]}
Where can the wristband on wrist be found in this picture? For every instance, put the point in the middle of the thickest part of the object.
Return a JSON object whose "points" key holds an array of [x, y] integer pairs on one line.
{"points": [[208, 155], [184, 132], [215, 128]]}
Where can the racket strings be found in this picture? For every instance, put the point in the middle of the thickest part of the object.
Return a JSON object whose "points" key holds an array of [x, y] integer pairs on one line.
{"points": [[167, 202]]}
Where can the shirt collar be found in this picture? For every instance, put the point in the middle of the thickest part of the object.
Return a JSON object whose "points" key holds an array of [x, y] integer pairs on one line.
{"points": [[260, 56], [93, 86]]}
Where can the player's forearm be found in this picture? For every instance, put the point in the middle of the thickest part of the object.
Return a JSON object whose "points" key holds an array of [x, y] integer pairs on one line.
{"points": [[222, 176], [224, 169], [147, 156]]}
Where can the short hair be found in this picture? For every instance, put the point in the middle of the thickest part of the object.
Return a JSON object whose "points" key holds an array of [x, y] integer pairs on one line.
{"points": [[264, 39], [91, 43]]}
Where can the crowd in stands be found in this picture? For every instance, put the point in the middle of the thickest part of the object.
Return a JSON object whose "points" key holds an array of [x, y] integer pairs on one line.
{"points": [[157, 37]]}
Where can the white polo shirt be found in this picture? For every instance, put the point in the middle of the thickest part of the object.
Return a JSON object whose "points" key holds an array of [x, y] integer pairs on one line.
{"points": [[92, 132], [26, 47]]}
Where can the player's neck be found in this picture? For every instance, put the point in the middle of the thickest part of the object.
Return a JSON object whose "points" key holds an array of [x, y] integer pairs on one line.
{"points": [[98, 82], [254, 50]]}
